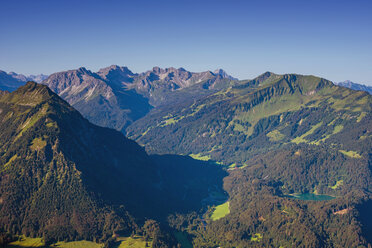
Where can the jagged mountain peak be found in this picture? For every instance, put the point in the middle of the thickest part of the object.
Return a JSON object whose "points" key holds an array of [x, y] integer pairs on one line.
{"points": [[183, 77], [73, 73], [77, 78], [158, 70], [116, 75], [223, 74], [20, 77], [114, 68], [83, 70]]}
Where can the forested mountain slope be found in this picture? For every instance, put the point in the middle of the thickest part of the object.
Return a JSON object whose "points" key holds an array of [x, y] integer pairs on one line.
{"points": [[259, 115], [62, 177], [279, 135]]}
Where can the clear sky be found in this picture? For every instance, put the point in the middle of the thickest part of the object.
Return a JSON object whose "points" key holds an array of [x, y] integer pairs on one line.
{"points": [[328, 38]]}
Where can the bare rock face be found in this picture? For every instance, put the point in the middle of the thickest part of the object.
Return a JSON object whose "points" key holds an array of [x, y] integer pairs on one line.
{"points": [[117, 76], [171, 78], [91, 94], [164, 86], [116, 97], [77, 85]]}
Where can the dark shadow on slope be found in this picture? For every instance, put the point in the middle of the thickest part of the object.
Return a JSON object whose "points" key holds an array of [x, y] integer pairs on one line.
{"points": [[137, 105], [187, 184], [365, 218]]}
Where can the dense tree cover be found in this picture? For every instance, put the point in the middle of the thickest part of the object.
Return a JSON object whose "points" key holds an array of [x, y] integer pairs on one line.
{"points": [[287, 134], [60, 175], [5, 238], [261, 216]]}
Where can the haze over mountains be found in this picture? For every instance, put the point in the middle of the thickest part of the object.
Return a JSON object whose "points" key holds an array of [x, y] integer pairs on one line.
{"points": [[265, 139], [355, 86], [50, 155], [11, 81]]}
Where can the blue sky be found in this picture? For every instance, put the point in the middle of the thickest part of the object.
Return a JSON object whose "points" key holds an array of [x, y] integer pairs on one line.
{"points": [[327, 38]]}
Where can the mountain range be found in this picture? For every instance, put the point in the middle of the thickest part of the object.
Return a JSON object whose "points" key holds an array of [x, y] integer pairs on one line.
{"points": [[115, 96], [11, 81], [221, 162], [355, 86]]}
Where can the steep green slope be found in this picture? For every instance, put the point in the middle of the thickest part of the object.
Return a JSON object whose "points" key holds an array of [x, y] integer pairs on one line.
{"points": [[255, 116], [62, 177]]}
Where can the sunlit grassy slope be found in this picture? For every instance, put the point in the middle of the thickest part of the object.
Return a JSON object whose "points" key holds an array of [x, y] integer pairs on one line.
{"points": [[221, 211]]}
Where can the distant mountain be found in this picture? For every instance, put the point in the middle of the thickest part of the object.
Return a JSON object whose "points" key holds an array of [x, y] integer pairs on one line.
{"points": [[224, 74], [115, 97], [11, 81], [34, 78], [355, 86], [172, 86], [20, 77], [37, 78]]}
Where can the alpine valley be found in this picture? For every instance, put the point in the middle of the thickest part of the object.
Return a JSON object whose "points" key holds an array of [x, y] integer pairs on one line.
{"points": [[172, 158]]}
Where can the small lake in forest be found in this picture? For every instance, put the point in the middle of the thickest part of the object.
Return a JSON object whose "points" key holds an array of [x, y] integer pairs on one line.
{"points": [[310, 197]]}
